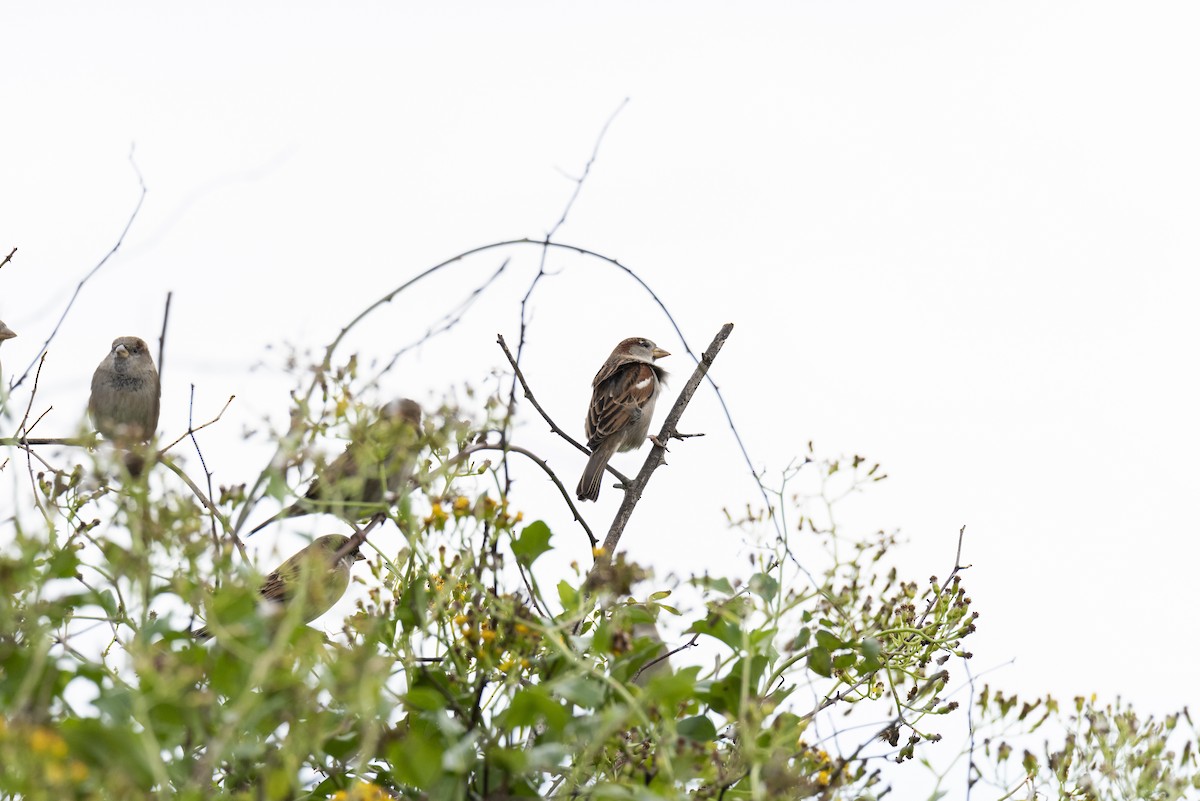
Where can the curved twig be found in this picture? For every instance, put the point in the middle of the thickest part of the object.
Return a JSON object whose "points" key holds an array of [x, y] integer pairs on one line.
{"points": [[505, 448]]}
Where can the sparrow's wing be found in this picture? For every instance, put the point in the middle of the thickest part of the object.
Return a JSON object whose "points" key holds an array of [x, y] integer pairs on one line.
{"points": [[619, 399], [280, 586]]}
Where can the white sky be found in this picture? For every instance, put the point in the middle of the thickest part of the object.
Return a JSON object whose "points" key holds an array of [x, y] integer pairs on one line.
{"points": [[958, 238]]}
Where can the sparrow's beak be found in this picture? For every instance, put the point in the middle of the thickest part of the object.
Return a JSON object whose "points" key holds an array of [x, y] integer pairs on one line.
{"points": [[658, 353], [121, 351], [6, 332], [358, 557]]}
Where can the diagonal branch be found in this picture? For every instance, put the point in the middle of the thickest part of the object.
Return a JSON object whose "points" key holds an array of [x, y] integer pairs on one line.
{"points": [[633, 491], [90, 273]]}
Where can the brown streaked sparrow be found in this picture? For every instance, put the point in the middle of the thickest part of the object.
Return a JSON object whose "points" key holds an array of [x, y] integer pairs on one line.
{"points": [[321, 570], [125, 393], [377, 463], [623, 395]]}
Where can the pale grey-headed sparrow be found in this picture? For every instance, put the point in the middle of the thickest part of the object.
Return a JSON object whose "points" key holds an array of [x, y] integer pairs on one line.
{"points": [[378, 461], [618, 418], [318, 574], [125, 393]]}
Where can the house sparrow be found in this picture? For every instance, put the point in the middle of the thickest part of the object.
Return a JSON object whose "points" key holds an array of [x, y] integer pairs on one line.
{"points": [[623, 395], [379, 462], [321, 569], [125, 393]]}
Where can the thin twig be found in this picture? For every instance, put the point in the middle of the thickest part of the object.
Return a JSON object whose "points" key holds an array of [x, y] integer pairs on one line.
{"points": [[541, 273], [162, 338], [200, 427], [90, 273], [503, 448], [77, 442], [195, 443], [445, 323], [8, 258], [667, 655], [23, 429], [633, 490]]}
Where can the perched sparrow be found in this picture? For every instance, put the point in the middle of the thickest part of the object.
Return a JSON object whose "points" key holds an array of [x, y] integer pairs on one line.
{"points": [[618, 418], [379, 462], [321, 570], [125, 393]]}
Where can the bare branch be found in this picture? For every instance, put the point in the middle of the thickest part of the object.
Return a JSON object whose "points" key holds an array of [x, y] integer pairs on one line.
{"points": [[21, 442], [90, 273], [447, 321], [8, 258], [162, 338], [633, 491]]}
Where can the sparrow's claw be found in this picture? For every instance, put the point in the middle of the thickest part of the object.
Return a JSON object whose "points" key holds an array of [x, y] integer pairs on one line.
{"points": [[654, 438]]}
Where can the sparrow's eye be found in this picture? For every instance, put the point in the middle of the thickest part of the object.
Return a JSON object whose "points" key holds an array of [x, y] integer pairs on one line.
{"points": [[645, 343]]}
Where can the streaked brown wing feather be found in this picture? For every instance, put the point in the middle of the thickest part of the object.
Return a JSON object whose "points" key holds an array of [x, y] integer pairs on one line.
{"points": [[618, 398]]}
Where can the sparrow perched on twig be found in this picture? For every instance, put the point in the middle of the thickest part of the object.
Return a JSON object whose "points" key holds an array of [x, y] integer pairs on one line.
{"points": [[321, 570], [623, 395], [125, 393], [379, 462]]}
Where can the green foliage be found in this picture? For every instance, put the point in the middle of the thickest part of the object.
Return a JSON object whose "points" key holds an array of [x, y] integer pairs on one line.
{"points": [[457, 677]]}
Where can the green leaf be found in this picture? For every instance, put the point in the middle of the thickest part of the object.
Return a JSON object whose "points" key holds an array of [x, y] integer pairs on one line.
{"points": [[416, 757], [802, 638], [845, 661], [764, 586], [828, 641], [819, 662], [720, 585], [697, 727], [63, 564], [871, 650], [723, 630], [531, 705], [582, 691], [568, 596], [533, 542], [425, 699]]}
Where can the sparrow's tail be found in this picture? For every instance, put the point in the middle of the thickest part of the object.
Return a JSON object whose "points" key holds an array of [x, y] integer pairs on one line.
{"points": [[589, 484]]}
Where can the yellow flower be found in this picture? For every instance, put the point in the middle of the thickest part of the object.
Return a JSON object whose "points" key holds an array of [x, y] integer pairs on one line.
{"points": [[363, 791], [437, 516], [44, 741], [461, 506], [824, 777]]}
